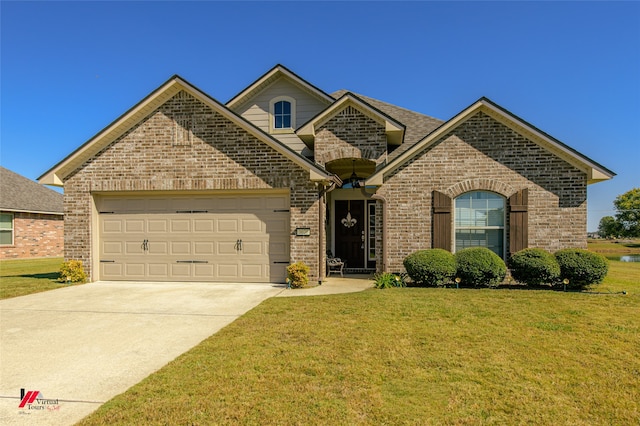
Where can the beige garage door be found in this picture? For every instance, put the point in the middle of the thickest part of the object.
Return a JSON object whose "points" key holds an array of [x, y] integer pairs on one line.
{"points": [[195, 238]]}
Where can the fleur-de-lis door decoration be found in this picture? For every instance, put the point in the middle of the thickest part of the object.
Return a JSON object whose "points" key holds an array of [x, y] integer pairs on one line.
{"points": [[349, 221]]}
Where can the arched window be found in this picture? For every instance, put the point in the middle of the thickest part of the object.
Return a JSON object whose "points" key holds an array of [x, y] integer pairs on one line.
{"points": [[283, 115], [480, 221]]}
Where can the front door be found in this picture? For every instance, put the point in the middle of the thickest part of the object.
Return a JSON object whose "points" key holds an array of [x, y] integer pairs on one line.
{"points": [[349, 228]]}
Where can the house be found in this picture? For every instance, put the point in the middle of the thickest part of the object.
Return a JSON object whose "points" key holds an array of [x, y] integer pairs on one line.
{"points": [[184, 188], [31, 219]]}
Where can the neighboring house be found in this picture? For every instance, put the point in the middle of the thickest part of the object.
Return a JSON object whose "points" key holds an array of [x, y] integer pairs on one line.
{"points": [[31, 220], [184, 188]]}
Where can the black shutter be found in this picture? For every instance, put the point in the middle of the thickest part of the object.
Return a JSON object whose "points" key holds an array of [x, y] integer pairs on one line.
{"points": [[441, 221], [519, 221]]}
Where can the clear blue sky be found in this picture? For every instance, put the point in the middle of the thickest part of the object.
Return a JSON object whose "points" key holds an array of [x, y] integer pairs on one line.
{"points": [[571, 69]]}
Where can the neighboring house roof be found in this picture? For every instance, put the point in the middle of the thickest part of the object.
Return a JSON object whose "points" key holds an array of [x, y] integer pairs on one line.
{"points": [[393, 128], [57, 174], [19, 194], [595, 172]]}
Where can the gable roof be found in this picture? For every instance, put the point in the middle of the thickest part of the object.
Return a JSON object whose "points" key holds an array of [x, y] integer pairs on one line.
{"points": [[595, 172], [417, 125], [57, 174], [19, 194], [270, 77], [393, 128]]}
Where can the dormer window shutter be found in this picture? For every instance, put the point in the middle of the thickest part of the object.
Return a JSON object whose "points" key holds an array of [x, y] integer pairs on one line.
{"points": [[441, 221], [519, 221]]}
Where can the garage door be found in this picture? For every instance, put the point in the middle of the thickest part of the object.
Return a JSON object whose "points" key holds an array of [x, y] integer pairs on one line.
{"points": [[195, 238]]}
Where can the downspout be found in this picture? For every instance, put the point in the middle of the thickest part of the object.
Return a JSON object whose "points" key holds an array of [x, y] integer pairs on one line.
{"points": [[383, 200]]}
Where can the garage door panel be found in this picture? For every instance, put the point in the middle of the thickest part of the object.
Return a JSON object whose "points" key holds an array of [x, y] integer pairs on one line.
{"points": [[180, 248], [228, 271], [180, 225], [194, 238], [278, 250], [226, 248], [114, 270], [203, 248], [135, 270], [253, 248], [227, 225], [252, 271], [112, 247], [134, 225], [251, 225], [203, 272], [112, 226], [277, 225], [180, 270], [203, 225], [158, 270], [158, 248], [133, 247], [157, 226]]}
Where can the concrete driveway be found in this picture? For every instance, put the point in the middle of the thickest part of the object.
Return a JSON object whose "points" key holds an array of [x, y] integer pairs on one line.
{"points": [[82, 345]]}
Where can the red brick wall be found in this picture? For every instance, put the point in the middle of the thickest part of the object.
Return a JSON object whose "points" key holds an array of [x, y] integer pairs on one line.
{"points": [[35, 235]]}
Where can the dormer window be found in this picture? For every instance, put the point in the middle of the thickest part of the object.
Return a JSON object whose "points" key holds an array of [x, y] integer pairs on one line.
{"points": [[283, 114]]}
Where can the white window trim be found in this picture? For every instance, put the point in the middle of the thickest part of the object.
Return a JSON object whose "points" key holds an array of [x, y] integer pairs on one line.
{"points": [[471, 228], [272, 102], [12, 230]]}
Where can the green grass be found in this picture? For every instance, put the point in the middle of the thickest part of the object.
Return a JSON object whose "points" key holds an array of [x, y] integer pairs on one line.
{"points": [[409, 356], [22, 277]]}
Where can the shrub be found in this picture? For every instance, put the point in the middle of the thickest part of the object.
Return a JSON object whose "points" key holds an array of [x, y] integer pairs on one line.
{"points": [[534, 266], [388, 280], [298, 274], [430, 267], [72, 271], [477, 266], [581, 267]]}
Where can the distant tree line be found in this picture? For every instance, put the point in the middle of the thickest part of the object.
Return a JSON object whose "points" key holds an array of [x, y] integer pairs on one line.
{"points": [[626, 223]]}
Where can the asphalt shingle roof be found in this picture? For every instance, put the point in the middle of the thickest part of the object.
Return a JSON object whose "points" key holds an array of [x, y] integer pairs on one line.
{"points": [[17, 193]]}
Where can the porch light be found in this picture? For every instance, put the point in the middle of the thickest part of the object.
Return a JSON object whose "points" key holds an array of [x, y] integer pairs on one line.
{"points": [[354, 180]]}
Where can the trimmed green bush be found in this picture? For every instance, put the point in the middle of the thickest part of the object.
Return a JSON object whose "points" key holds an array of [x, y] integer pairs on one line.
{"points": [[430, 267], [388, 280], [479, 266], [581, 267], [534, 266]]}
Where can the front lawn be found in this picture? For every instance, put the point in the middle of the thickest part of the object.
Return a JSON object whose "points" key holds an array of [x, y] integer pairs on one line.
{"points": [[409, 356], [27, 276]]}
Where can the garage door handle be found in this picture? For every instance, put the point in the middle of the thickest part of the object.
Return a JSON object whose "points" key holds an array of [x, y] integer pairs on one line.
{"points": [[238, 245], [192, 261]]}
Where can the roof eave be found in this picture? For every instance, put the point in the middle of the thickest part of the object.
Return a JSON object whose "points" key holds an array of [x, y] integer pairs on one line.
{"points": [[595, 172]]}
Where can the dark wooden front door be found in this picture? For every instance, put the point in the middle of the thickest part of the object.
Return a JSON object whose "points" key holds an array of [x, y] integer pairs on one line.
{"points": [[350, 239]]}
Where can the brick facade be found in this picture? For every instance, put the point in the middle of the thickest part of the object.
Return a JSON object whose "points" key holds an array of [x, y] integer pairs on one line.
{"points": [[483, 154], [35, 235], [186, 146], [350, 134]]}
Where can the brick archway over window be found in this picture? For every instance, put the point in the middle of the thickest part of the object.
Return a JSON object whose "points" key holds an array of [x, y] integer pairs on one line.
{"points": [[480, 184]]}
